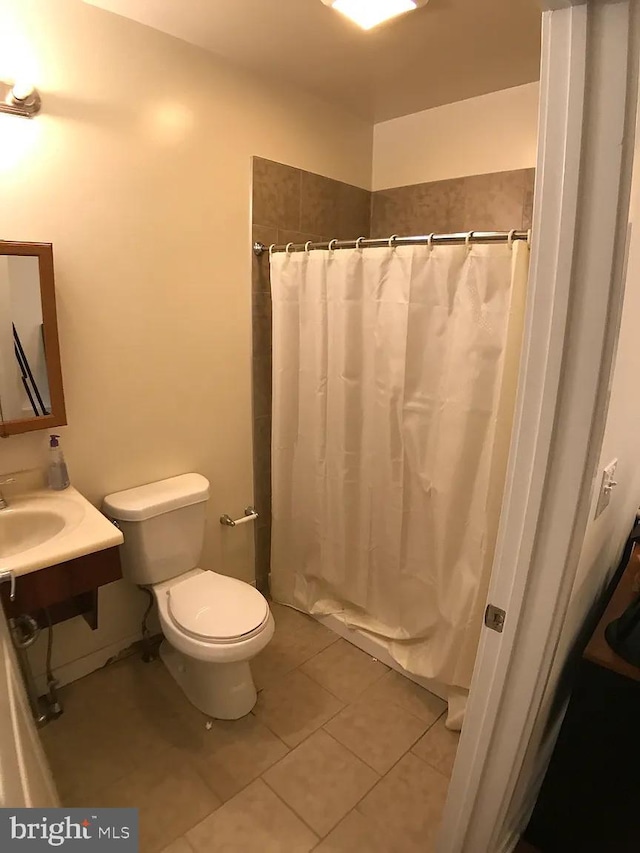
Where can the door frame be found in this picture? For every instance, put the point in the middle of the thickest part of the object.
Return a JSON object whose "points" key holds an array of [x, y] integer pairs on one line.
{"points": [[587, 119]]}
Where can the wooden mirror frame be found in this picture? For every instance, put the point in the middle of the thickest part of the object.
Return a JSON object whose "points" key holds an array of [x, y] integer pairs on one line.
{"points": [[58, 416]]}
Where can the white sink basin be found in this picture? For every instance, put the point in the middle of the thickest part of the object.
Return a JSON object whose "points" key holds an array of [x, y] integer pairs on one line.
{"points": [[23, 529], [42, 528]]}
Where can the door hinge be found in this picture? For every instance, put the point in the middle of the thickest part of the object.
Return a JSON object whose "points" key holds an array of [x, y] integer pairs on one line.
{"points": [[494, 618]]}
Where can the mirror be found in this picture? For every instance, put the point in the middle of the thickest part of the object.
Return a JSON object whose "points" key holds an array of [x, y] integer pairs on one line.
{"points": [[31, 394]]}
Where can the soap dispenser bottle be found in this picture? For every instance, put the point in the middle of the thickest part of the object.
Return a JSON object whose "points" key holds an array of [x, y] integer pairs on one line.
{"points": [[58, 474]]}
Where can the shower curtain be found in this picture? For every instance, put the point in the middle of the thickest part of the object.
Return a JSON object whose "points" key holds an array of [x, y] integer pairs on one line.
{"points": [[394, 380]]}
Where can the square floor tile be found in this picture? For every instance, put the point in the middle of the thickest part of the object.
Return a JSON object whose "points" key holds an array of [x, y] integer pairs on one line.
{"points": [[126, 684], [295, 706], [344, 669], [180, 845], [193, 734], [272, 663], [297, 638], [355, 834], [170, 794], [376, 730], [240, 751], [86, 763], [406, 805], [114, 719], [321, 781], [438, 747], [91, 746], [140, 731], [400, 690], [254, 821]]}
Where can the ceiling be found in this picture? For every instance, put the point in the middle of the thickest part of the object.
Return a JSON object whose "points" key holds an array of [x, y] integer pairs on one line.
{"points": [[447, 51]]}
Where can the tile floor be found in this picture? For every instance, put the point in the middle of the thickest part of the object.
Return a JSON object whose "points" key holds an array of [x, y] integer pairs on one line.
{"points": [[339, 754]]}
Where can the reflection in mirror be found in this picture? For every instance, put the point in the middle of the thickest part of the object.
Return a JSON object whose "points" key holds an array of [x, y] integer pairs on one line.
{"points": [[31, 392], [24, 386]]}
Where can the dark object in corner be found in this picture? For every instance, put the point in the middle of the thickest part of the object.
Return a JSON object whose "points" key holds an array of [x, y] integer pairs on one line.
{"points": [[623, 634], [588, 802]]}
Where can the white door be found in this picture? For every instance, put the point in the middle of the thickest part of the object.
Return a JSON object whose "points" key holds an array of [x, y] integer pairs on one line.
{"points": [[25, 778], [586, 139]]}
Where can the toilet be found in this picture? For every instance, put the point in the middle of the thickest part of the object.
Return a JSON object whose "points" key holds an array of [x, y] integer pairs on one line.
{"points": [[212, 624]]}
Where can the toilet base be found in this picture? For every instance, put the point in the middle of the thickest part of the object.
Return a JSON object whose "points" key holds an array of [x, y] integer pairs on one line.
{"points": [[224, 691]]}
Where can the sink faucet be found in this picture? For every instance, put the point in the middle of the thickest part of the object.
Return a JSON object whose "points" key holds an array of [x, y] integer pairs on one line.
{"points": [[4, 503]]}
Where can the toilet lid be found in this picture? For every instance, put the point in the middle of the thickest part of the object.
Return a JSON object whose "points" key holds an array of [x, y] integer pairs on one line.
{"points": [[215, 607]]}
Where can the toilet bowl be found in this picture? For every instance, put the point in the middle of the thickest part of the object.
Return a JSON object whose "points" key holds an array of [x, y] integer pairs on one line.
{"points": [[213, 625]]}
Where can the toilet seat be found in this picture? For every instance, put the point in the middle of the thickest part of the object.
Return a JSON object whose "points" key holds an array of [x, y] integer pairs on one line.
{"points": [[217, 609], [210, 649]]}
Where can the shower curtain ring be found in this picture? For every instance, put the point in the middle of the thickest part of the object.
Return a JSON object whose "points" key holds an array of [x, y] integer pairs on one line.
{"points": [[430, 241], [392, 240], [287, 248], [307, 245], [358, 241], [332, 248], [529, 238], [468, 239], [510, 238], [271, 248]]}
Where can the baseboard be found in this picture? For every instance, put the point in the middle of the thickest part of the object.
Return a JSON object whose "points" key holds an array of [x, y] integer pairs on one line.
{"points": [[75, 669]]}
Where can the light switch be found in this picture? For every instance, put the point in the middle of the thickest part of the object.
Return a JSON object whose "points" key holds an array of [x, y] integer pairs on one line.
{"points": [[607, 485]]}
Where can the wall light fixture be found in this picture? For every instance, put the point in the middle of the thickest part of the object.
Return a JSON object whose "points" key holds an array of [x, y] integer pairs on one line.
{"points": [[19, 100], [369, 13]]}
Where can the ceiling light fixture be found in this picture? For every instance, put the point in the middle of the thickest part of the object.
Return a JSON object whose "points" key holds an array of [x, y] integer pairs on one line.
{"points": [[19, 100], [369, 13]]}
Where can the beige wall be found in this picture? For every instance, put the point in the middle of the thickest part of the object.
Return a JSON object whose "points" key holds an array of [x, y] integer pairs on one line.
{"points": [[492, 133], [138, 171]]}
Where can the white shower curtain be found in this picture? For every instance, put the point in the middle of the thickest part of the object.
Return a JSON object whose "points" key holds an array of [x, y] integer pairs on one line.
{"points": [[394, 379]]}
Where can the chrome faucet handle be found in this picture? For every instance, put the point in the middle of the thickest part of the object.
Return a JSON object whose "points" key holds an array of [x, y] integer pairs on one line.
{"points": [[9, 576]]}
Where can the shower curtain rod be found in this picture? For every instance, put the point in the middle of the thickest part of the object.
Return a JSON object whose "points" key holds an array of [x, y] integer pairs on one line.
{"points": [[418, 240]]}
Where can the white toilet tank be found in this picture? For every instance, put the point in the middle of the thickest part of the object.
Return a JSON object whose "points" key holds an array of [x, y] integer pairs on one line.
{"points": [[163, 527]]}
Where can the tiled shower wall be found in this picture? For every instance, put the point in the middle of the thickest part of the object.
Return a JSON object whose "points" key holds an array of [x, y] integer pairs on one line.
{"points": [[290, 205], [499, 201]]}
